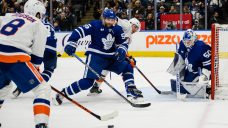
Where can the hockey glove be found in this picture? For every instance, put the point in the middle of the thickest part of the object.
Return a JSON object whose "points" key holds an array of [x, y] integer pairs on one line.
{"points": [[120, 54], [70, 48], [131, 60]]}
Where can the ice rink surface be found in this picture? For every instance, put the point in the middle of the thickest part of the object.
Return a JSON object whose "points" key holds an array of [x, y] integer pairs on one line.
{"points": [[165, 111]]}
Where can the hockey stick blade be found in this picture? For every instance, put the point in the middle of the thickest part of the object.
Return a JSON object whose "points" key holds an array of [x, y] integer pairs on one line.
{"points": [[109, 116], [143, 105], [166, 92]]}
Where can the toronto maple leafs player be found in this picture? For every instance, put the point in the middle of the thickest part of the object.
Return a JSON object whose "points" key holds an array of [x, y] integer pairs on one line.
{"points": [[107, 51], [129, 27], [193, 63], [50, 53], [22, 45]]}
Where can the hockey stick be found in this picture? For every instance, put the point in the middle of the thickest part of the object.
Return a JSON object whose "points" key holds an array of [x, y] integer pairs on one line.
{"points": [[91, 69], [156, 89], [180, 96], [102, 118]]}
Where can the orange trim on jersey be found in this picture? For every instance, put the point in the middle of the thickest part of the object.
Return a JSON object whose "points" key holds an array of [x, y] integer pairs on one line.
{"points": [[41, 109], [100, 80], [35, 72], [14, 58]]}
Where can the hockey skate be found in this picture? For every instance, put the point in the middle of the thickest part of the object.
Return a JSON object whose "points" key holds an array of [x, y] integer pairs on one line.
{"points": [[95, 90], [41, 125], [58, 100], [134, 95], [16, 92]]}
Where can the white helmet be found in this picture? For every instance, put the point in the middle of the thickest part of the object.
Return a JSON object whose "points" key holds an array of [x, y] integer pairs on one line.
{"points": [[33, 7], [135, 22]]}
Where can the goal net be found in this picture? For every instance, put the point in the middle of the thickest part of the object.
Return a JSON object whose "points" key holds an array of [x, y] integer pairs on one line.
{"points": [[219, 61]]}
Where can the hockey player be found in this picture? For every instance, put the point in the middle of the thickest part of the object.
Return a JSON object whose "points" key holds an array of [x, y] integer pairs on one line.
{"points": [[129, 28], [107, 51], [193, 63], [50, 54], [22, 44]]}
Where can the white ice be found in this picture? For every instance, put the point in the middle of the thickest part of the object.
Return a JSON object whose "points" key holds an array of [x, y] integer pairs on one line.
{"points": [[165, 111]]}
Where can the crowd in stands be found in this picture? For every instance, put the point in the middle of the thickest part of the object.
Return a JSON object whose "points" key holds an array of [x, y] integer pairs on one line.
{"points": [[67, 13], [144, 11]]}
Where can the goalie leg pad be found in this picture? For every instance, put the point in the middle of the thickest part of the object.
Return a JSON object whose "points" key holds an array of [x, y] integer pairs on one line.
{"points": [[173, 87]]}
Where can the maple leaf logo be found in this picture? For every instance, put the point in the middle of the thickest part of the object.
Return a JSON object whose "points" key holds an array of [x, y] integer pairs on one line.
{"points": [[108, 41]]}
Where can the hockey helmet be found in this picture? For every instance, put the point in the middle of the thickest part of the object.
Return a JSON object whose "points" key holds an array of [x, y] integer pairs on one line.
{"points": [[134, 21], [34, 7], [189, 38], [109, 14]]}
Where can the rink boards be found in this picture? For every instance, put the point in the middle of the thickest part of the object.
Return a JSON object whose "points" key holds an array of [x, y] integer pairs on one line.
{"points": [[144, 43]]}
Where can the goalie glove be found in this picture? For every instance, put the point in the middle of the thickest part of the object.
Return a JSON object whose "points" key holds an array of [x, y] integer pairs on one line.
{"points": [[178, 64]]}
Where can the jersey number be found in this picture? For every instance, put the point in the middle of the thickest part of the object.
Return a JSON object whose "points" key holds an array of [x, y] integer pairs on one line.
{"points": [[12, 27]]}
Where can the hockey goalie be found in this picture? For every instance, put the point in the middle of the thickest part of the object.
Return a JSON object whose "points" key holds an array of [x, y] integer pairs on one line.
{"points": [[192, 63]]}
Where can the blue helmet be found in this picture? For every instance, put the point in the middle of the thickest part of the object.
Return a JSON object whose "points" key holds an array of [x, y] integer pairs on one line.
{"points": [[189, 35], [109, 13]]}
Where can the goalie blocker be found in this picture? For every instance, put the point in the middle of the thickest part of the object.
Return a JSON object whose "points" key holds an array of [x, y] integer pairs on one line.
{"points": [[193, 63]]}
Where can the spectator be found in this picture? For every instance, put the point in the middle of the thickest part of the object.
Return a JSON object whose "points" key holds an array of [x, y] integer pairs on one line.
{"points": [[197, 25], [149, 10], [162, 3], [215, 18], [170, 26], [186, 9], [138, 10], [173, 9], [149, 23]]}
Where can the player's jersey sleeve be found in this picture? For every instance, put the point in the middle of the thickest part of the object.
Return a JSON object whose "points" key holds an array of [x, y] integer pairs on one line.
{"points": [[206, 57], [51, 43], [39, 42], [81, 32], [120, 38], [125, 26]]}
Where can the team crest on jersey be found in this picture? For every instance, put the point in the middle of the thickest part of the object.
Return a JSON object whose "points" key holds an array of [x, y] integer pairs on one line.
{"points": [[108, 41], [86, 26]]}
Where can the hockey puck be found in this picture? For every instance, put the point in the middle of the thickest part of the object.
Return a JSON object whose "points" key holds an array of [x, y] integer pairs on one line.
{"points": [[110, 126]]}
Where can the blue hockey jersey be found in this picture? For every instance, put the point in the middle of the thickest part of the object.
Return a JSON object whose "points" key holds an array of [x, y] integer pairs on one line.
{"points": [[196, 57], [104, 40], [51, 43]]}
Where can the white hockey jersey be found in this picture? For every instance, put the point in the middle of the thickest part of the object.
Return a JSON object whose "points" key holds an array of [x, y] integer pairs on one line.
{"points": [[22, 38], [126, 26]]}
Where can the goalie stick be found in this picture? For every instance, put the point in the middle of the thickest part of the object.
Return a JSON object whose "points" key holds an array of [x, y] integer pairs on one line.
{"points": [[102, 118], [137, 105], [180, 96]]}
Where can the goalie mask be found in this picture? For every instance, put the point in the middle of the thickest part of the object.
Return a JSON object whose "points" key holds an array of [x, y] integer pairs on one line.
{"points": [[189, 38]]}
